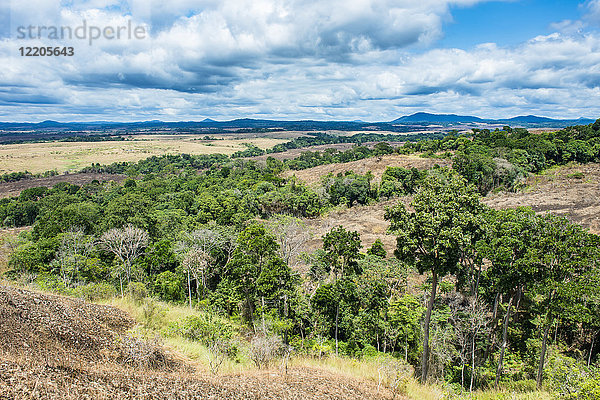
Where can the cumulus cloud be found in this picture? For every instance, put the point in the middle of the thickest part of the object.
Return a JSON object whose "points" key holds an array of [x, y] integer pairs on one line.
{"points": [[367, 59]]}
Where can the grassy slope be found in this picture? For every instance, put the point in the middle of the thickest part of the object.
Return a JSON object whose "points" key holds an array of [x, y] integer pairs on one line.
{"points": [[362, 370]]}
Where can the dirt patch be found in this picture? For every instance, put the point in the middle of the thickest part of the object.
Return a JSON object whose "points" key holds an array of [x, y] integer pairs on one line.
{"points": [[53, 347], [11, 189], [572, 191], [368, 221], [377, 165]]}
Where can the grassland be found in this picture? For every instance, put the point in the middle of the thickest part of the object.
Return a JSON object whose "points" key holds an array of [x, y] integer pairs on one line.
{"points": [[72, 156]]}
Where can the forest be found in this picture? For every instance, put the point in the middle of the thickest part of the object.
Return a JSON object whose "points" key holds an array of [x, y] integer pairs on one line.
{"points": [[473, 297]]}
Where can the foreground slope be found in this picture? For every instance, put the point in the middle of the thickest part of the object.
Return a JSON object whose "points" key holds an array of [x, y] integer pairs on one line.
{"points": [[53, 347]]}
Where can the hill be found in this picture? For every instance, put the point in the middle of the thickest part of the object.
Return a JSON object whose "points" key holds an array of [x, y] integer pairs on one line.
{"points": [[52, 347]]}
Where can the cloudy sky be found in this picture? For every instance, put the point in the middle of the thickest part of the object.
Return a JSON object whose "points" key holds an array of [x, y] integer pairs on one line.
{"points": [[373, 60]]}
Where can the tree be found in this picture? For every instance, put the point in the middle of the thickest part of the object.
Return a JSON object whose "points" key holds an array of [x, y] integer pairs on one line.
{"points": [[433, 236], [341, 255], [377, 249], [257, 269], [196, 250], [342, 251], [74, 249], [291, 234], [127, 244], [564, 255], [508, 246]]}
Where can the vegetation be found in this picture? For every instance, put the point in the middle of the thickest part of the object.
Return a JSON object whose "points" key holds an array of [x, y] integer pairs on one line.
{"points": [[507, 299]]}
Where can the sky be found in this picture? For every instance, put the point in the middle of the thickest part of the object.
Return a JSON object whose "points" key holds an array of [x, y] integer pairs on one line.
{"points": [[371, 60]]}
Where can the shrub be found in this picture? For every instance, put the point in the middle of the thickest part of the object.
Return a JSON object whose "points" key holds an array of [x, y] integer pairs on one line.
{"points": [[137, 291], [216, 334], [95, 291], [576, 175], [264, 349], [153, 314], [571, 380], [395, 375]]}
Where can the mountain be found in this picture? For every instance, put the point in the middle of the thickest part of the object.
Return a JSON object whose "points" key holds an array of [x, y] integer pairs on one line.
{"points": [[528, 121], [422, 117], [409, 123]]}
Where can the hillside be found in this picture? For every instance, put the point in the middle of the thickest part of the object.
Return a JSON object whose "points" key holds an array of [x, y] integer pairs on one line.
{"points": [[53, 347], [377, 166], [570, 191]]}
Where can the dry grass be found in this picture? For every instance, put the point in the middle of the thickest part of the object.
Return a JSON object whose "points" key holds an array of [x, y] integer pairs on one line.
{"points": [[562, 191], [377, 165], [367, 220], [53, 347], [70, 156]]}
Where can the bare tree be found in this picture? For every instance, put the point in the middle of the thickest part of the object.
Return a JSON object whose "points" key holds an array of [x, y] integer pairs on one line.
{"points": [[264, 349], [127, 244], [469, 317], [72, 253], [196, 250], [291, 234]]}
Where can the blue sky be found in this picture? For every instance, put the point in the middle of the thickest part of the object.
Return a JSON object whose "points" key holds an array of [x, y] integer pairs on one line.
{"points": [[506, 23], [372, 60]]}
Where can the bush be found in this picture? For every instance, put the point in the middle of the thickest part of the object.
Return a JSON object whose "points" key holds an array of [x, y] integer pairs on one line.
{"points": [[137, 291], [216, 334], [264, 349], [395, 375], [571, 380], [576, 175], [95, 291], [153, 314]]}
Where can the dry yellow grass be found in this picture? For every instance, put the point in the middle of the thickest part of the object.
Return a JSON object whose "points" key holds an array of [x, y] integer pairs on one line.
{"points": [[70, 156], [377, 165]]}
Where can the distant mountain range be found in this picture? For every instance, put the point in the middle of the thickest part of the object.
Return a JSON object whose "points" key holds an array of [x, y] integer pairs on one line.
{"points": [[418, 121], [421, 118]]}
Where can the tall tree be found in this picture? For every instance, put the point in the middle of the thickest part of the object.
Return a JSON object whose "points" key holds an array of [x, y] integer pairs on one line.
{"points": [[341, 255], [432, 237], [564, 254], [508, 246]]}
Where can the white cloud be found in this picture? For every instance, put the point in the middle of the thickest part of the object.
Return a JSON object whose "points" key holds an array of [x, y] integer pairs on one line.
{"points": [[291, 59]]}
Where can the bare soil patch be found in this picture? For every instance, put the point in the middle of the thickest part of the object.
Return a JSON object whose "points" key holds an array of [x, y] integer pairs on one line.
{"points": [[11, 189]]}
